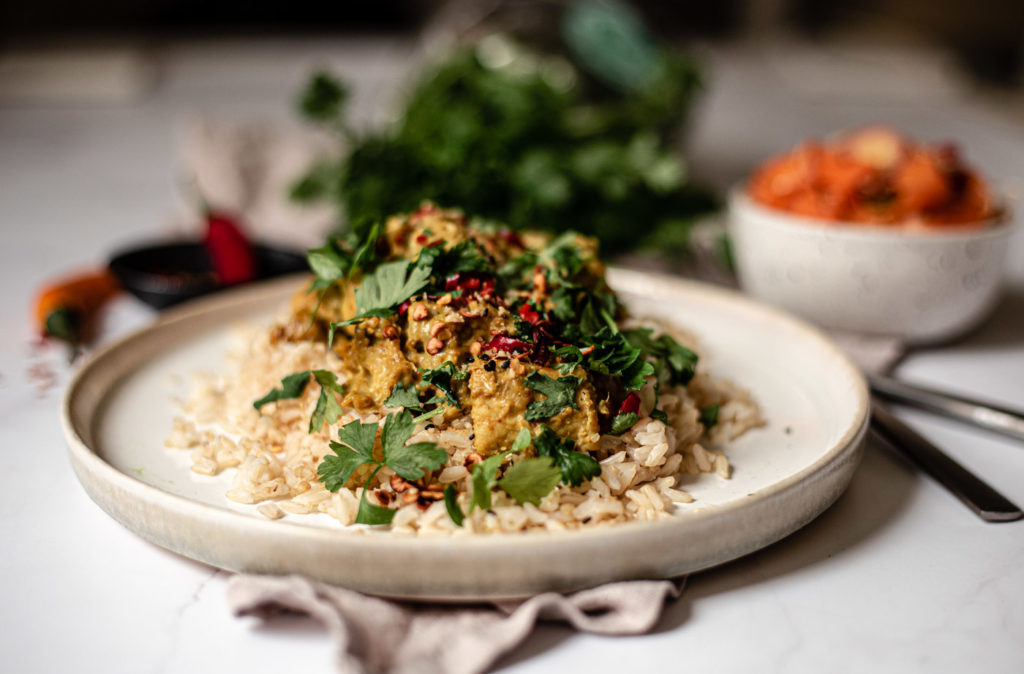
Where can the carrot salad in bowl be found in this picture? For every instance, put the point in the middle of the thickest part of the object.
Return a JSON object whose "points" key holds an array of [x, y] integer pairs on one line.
{"points": [[875, 176]]}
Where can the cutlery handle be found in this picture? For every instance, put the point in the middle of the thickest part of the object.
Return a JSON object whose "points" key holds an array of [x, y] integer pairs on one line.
{"points": [[1003, 420], [985, 501]]}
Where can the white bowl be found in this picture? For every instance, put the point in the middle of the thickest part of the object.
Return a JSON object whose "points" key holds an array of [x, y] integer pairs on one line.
{"points": [[920, 285]]}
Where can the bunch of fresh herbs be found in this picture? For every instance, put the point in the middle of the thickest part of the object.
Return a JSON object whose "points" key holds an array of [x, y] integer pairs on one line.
{"points": [[533, 140]]}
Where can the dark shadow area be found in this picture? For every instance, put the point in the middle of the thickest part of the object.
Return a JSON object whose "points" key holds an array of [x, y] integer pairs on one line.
{"points": [[876, 496]]}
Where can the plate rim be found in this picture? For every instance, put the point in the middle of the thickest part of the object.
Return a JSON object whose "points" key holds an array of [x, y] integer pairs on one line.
{"points": [[90, 467]]}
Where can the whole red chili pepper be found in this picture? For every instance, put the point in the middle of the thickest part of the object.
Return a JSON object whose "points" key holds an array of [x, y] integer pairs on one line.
{"points": [[229, 249]]}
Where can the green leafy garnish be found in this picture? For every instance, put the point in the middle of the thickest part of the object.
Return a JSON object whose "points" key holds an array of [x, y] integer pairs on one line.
{"points": [[441, 378], [709, 416], [389, 285], [355, 449], [675, 363], [614, 355], [327, 406], [403, 395], [294, 385], [451, 504], [561, 393], [624, 421], [530, 480], [576, 467]]}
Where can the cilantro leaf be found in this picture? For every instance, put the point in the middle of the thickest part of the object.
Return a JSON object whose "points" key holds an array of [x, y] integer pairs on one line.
{"points": [[441, 378], [561, 393], [530, 480], [329, 262], [523, 440], [571, 358], [327, 406], [292, 386], [659, 415], [359, 437], [404, 396], [624, 421], [409, 461], [614, 355], [354, 450], [483, 477], [576, 467], [676, 363], [369, 513], [336, 469], [451, 504], [709, 416], [389, 284]]}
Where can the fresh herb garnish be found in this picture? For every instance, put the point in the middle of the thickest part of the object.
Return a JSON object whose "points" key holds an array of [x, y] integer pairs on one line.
{"points": [[675, 363], [441, 378], [561, 393], [530, 480], [355, 449], [294, 385], [624, 421], [451, 504], [614, 355], [709, 416], [576, 467]]}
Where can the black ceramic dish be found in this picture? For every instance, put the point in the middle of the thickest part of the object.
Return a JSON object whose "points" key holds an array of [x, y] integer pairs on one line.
{"points": [[164, 274]]}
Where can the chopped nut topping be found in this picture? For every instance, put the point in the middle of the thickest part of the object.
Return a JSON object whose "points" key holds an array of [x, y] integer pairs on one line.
{"points": [[436, 328], [540, 283], [518, 367], [475, 348], [444, 300], [410, 496], [434, 346], [399, 484], [383, 496], [473, 459], [419, 311], [390, 332]]}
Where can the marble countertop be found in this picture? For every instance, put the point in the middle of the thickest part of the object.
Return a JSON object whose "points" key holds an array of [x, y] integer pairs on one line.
{"points": [[897, 576]]}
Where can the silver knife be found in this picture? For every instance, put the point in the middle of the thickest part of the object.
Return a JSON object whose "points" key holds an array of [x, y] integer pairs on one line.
{"points": [[985, 501], [1009, 422]]}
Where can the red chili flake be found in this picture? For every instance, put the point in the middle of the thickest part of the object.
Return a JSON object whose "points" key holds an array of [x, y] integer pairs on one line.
{"points": [[435, 244], [403, 307], [425, 209], [630, 404], [421, 238], [506, 343], [529, 314], [511, 238], [468, 281]]}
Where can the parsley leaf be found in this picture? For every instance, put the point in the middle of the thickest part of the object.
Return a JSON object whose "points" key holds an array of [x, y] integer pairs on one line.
{"points": [[404, 396], [576, 467], [292, 386], [483, 477], [389, 284], [624, 421], [676, 363], [355, 449], [523, 440], [372, 514], [451, 504], [709, 416], [561, 393], [409, 461], [530, 480], [441, 378], [614, 355], [327, 406]]}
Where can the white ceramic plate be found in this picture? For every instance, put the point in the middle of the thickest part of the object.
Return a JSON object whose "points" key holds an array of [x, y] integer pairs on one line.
{"points": [[119, 408]]}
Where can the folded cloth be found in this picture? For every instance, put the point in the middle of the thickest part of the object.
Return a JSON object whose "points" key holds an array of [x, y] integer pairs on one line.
{"points": [[378, 635]]}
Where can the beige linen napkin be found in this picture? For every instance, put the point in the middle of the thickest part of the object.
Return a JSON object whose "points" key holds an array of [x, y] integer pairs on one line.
{"points": [[380, 635]]}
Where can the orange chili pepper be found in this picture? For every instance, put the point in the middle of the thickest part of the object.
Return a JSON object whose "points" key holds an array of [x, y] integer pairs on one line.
{"points": [[65, 308]]}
